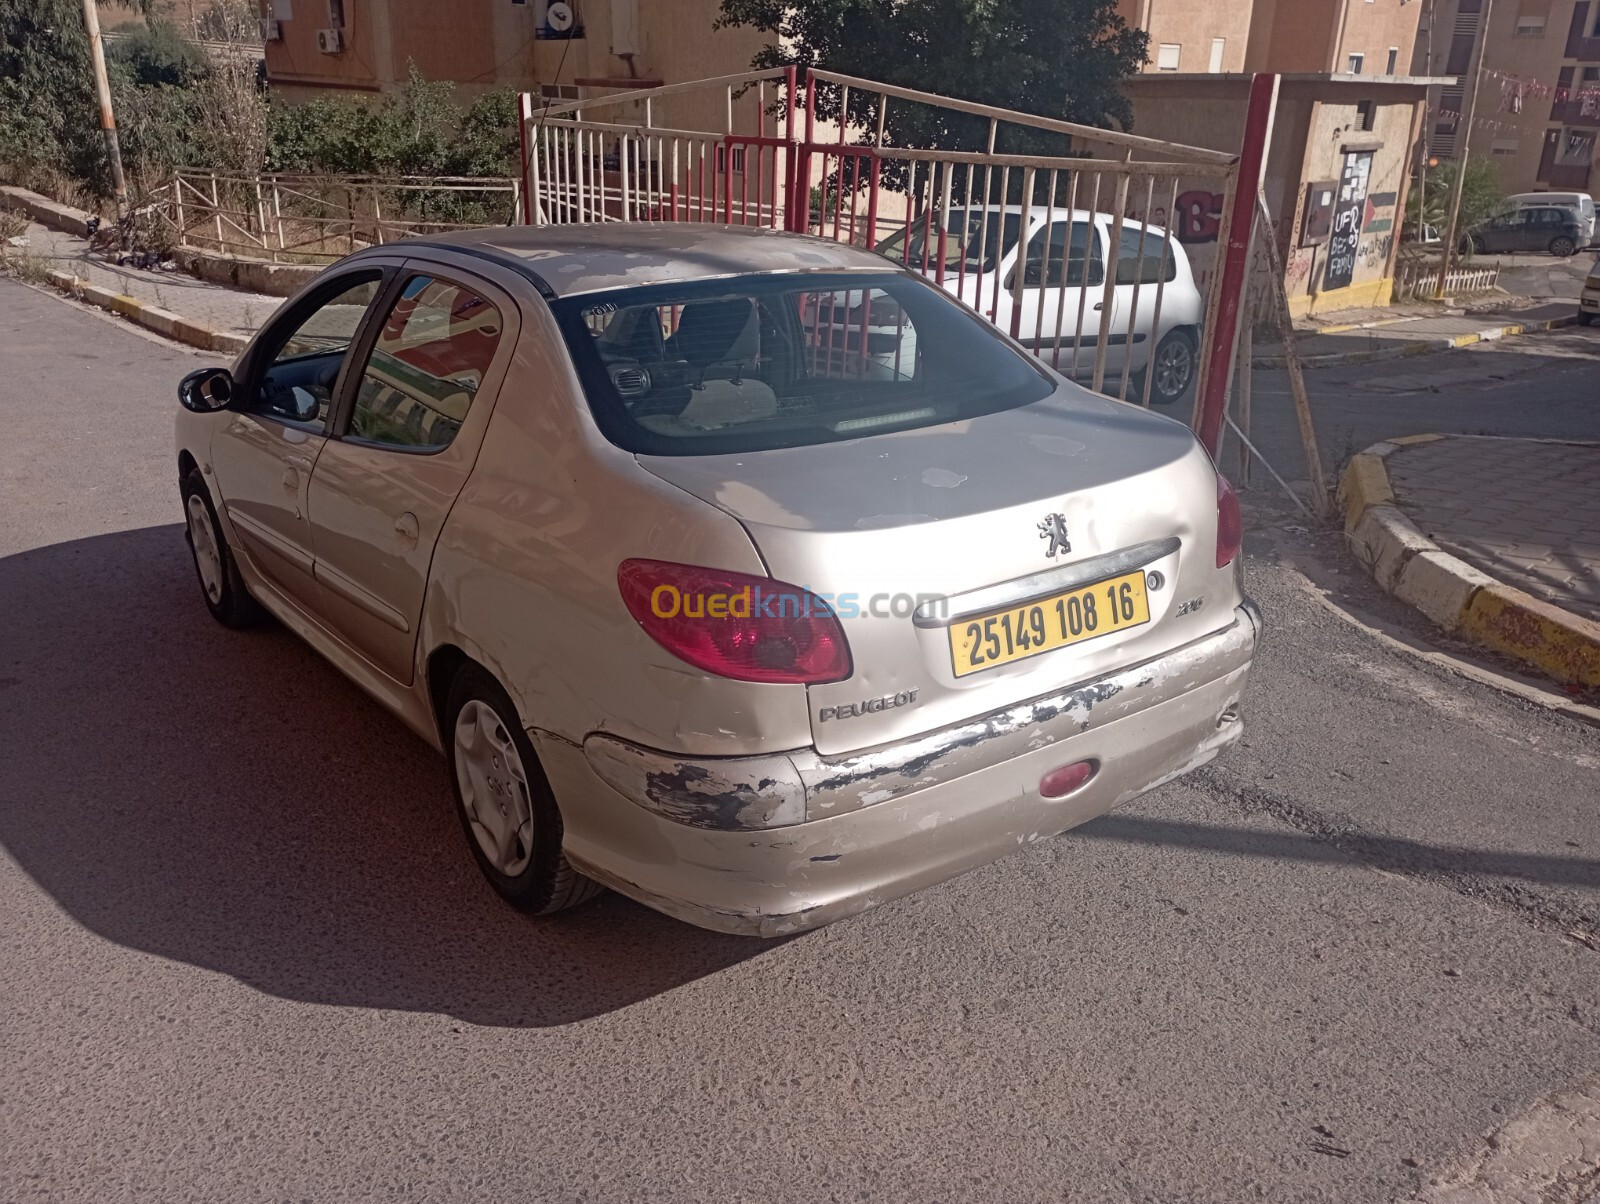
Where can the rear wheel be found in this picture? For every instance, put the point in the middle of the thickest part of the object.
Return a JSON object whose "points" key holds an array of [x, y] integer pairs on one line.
{"points": [[1562, 246], [1171, 370], [1584, 319], [220, 583], [507, 809]]}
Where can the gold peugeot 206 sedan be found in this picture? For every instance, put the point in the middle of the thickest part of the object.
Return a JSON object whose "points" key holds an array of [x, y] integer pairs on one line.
{"points": [[738, 571]]}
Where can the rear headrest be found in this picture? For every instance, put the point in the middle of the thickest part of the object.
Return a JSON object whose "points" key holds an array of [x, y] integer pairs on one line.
{"points": [[711, 332]]}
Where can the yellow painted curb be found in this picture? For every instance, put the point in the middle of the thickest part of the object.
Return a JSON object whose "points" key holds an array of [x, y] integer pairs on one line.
{"points": [[1564, 645], [161, 321], [1451, 592], [1364, 484]]}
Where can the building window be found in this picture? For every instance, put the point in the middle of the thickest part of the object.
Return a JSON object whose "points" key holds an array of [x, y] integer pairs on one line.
{"points": [[1219, 46], [1504, 147], [1366, 114], [1356, 63], [722, 158], [1530, 27], [1394, 60], [556, 92], [1167, 56], [1591, 76]]}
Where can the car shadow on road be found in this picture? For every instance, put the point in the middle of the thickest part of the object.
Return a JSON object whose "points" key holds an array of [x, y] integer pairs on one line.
{"points": [[228, 800]]}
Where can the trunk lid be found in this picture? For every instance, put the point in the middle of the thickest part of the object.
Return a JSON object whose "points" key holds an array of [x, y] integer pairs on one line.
{"points": [[881, 524]]}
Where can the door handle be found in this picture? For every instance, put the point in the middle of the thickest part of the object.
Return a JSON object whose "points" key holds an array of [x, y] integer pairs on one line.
{"points": [[405, 527], [299, 462], [291, 479]]}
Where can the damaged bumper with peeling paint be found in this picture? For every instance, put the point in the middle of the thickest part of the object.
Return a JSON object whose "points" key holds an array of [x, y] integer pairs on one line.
{"points": [[780, 843]]}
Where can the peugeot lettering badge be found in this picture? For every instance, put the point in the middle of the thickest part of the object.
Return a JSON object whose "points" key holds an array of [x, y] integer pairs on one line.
{"points": [[1054, 528]]}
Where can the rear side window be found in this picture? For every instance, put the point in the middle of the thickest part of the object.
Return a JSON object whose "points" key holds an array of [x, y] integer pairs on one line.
{"points": [[426, 367], [765, 362], [1149, 264]]}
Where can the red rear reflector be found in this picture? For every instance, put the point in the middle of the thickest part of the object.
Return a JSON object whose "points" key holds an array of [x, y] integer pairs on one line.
{"points": [[1065, 780], [1230, 523], [735, 624]]}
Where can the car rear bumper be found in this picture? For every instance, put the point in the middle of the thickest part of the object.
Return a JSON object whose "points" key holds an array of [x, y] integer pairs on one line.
{"points": [[1589, 301], [899, 818]]}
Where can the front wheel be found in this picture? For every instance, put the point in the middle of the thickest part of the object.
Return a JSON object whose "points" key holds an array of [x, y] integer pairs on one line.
{"points": [[507, 809], [1171, 370], [1561, 246], [220, 583]]}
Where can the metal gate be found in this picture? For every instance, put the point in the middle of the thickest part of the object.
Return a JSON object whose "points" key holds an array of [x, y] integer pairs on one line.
{"points": [[1077, 241]]}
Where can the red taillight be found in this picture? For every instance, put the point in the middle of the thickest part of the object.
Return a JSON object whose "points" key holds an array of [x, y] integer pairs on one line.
{"points": [[1230, 524], [735, 624], [1061, 782]]}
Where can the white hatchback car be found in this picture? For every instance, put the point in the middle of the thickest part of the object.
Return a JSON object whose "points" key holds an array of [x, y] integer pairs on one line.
{"points": [[732, 569], [1064, 293]]}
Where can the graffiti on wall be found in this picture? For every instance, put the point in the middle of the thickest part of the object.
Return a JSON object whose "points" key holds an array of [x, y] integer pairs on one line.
{"points": [[1349, 214]]}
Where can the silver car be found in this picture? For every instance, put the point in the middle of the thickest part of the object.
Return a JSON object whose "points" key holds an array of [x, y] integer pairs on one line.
{"points": [[735, 570]]}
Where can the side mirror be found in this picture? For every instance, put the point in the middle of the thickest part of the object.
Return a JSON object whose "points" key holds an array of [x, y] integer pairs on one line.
{"points": [[206, 390]]}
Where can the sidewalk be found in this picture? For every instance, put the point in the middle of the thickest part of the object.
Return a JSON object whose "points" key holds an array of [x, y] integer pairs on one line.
{"points": [[1360, 336], [211, 305], [1495, 539]]}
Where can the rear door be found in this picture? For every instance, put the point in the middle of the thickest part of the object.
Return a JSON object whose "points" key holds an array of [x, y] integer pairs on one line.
{"points": [[407, 436]]}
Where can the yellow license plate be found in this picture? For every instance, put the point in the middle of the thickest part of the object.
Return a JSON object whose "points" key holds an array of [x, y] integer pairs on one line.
{"points": [[1019, 632]]}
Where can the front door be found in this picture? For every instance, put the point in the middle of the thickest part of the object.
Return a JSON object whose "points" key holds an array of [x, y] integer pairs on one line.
{"points": [[264, 454], [385, 485], [1058, 310]]}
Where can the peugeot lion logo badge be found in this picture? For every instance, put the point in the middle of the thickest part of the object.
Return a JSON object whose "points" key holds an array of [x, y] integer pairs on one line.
{"points": [[1054, 528]]}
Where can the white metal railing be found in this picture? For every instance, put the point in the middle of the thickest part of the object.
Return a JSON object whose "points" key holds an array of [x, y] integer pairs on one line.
{"points": [[1416, 279]]}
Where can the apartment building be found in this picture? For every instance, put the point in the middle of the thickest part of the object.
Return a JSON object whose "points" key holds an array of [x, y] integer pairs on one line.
{"points": [[1539, 104], [562, 49], [1356, 37]]}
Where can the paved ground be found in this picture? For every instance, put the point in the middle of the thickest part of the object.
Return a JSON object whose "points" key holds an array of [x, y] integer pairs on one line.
{"points": [[1527, 512], [245, 955], [198, 300]]}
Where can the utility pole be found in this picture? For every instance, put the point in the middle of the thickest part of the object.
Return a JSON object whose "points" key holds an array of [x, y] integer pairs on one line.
{"points": [[1427, 122], [102, 90], [1464, 144]]}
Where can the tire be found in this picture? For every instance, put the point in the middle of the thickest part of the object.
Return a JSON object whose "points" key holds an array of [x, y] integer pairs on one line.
{"points": [[221, 585], [1563, 247], [1585, 319], [497, 781], [1173, 363]]}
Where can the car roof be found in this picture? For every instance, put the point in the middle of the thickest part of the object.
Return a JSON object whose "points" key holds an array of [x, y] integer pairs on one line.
{"points": [[570, 260]]}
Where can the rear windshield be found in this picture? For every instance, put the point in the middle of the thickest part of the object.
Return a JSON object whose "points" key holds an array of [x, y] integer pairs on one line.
{"points": [[970, 240], [761, 362]]}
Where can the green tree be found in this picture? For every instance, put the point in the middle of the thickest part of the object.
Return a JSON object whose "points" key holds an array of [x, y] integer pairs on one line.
{"points": [[1051, 58], [1481, 196]]}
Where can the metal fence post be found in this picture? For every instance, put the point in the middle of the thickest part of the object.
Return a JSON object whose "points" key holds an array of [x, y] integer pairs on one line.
{"points": [[1234, 266]]}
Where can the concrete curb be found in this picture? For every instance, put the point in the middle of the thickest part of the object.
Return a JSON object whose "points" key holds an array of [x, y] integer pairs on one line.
{"points": [[1460, 599], [151, 317], [1420, 346], [45, 211]]}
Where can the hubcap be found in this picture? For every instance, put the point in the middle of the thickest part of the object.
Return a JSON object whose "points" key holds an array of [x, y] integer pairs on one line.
{"points": [[1173, 365], [207, 556], [494, 788]]}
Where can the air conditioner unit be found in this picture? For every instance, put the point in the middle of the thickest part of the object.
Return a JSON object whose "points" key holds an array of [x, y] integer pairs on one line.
{"points": [[330, 41], [271, 31]]}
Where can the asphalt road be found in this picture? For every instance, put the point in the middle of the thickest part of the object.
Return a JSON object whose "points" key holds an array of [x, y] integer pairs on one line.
{"points": [[244, 954], [1540, 386]]}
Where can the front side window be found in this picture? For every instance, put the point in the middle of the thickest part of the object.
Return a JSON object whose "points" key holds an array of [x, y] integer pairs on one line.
{"points": [[764, 362], [304, 355], [1070, 256], [427, 365]]}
